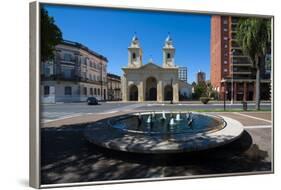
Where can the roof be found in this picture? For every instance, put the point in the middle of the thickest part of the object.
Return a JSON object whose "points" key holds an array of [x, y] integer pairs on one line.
{"points": [[113, 76], [83, 47]]}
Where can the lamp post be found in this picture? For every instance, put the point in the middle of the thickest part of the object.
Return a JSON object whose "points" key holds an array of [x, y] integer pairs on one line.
{"points": [[232, 93], [224, 92], [171, 91]]}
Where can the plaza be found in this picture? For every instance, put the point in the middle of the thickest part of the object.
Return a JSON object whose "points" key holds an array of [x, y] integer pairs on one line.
{"points": [[68, 157]]}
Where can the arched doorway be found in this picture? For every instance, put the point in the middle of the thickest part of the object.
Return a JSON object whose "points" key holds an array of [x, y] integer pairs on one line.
{"points": [[168, 92], [151, 89], [133, 93]]}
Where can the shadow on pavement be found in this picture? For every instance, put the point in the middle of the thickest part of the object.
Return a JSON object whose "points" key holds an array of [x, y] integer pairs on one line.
{"points": [[67, 157]]}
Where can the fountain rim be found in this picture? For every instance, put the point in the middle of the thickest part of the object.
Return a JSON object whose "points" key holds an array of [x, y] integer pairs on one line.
{"points": [[145, 144]]}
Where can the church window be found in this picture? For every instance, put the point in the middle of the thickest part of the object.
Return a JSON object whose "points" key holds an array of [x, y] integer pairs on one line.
{"points": [[168, 56]]}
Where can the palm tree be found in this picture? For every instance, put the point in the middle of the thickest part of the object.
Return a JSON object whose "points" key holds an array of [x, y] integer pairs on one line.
{"points": [[254, 37]]}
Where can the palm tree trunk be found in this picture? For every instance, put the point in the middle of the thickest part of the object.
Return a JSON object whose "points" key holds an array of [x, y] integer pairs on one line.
{"points": [[258, 84]]}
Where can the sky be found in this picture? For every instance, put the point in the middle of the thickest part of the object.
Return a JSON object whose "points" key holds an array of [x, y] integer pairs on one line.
{"points": [[109, 32]]}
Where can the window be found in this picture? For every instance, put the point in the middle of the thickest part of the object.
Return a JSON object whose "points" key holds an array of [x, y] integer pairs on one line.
{"points": [[225, 29], [134, 56], [225, 70], [67, 57], [168, 56], [46, 90], [225, 62], [225, 21], [67, 71], [225, 38], [85, 91], [225, 46], [95, 91], [98, 91], [67, 90], [91, 91], [90, 76]]}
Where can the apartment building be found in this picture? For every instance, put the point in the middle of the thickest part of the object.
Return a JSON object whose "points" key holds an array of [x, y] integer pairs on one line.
{"points": [[75, 73], [232, 72], [114, 87]]}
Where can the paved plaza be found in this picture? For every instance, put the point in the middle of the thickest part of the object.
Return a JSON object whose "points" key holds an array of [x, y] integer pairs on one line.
{"points": [[68, 157]]}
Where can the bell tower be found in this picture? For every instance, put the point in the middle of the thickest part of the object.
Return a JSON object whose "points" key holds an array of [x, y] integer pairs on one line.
{"points": [[134, 53], [168, 53]]}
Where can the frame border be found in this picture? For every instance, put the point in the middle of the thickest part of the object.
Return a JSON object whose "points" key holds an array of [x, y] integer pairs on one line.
{"points": [[34, 91]]}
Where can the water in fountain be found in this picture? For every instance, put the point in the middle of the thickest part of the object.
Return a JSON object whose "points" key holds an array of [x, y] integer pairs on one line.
{"points": [[178, 117], [148, 119], [172, 122], [189, 123], [163, 115]]}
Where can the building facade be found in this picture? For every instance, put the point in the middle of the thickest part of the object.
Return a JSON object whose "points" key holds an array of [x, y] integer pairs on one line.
{"points": [[150, 82], [75, 73], [200, 77], [183, 74], [232, 72], [113, 87]]}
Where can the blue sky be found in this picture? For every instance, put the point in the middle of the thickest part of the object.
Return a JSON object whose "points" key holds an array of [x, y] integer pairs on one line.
{"points": [[109, 32]]}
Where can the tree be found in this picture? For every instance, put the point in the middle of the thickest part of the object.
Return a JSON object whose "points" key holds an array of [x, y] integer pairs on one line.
{"points": [[200, 90], [254, 37], [50, 35]]}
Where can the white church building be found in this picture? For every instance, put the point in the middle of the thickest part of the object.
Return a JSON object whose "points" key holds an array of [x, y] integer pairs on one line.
{"points": [[151, 82]]}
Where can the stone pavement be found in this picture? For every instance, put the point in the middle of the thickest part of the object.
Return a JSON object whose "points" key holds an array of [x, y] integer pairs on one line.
{"points": [[68, 157]]}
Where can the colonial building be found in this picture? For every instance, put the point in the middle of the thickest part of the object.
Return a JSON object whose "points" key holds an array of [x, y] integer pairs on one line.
{"points": [[150, 82], [113, 87], [74, 74]]}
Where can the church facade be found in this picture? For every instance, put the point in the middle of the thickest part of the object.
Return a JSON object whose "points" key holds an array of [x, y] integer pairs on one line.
{"points": [[150, 82]]}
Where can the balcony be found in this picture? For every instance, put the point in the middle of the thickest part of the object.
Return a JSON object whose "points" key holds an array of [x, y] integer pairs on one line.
{"points": [[68, 61]]}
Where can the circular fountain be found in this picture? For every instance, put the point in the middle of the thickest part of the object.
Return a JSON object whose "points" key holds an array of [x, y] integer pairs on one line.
{"points": [[163, 132]]}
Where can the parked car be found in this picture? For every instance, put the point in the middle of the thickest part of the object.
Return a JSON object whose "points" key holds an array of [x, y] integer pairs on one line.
{"points": [[92, 101]]}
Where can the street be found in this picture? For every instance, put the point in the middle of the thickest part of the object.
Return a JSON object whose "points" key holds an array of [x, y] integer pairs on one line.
{"points": [[52, 112]]}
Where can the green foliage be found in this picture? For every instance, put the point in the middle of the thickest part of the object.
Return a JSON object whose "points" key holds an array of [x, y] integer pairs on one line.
{"points": [[254, 37], [50, 35], [200, 90]]}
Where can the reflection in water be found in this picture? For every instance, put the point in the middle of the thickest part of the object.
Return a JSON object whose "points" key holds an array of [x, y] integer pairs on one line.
{"points": [[168, 123]]}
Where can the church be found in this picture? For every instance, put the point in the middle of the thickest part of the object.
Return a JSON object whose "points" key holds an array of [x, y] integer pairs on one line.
{"points": [[150, 82]]}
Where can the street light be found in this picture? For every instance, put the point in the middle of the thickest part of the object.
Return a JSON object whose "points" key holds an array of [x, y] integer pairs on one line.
{"points": [[224, 92], [172, 91], [232, 93]]}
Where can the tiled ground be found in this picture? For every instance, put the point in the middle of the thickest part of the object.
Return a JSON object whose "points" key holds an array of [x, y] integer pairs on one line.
{"points": [[67, 157]]}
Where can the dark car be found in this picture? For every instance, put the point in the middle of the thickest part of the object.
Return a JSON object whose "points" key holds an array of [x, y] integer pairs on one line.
{"points": [[92, 101]]}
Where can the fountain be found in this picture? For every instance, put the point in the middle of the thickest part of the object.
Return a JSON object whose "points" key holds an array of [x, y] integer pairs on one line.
{"points": [[172, 122], [148, 119], [163, 115], [161, 132], [178, 117]]}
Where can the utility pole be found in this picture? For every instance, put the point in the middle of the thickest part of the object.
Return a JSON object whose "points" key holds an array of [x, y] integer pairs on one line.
{"points": [[101, 82], [171, 91]]}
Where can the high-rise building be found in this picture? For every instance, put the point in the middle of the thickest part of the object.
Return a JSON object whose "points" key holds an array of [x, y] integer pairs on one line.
{"points": [[201, 77], [183, 74], [232, 71]]}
